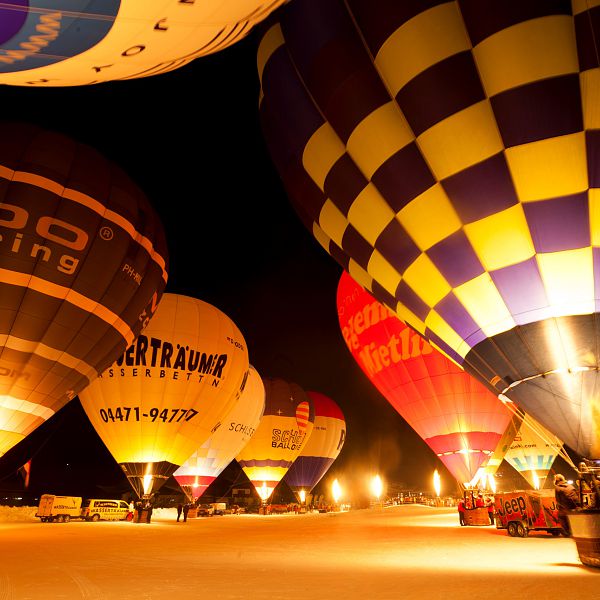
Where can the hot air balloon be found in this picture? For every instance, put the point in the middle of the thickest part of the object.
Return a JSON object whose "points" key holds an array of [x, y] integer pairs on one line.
{"points": [[446, 155], [533, 452], [322, 447], [207, 463], [169, 391], [83, 263], [286, 425], [458, 418], [78, 42]]}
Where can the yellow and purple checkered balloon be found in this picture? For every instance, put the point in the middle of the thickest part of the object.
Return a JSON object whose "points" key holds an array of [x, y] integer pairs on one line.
{"points": [[447, 155]]}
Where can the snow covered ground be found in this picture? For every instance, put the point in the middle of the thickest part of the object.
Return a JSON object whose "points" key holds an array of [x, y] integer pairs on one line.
{"points": [[402, 552]]}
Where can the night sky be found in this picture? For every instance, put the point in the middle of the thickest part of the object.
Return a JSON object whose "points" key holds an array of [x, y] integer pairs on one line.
{"points": [[191, 140]]}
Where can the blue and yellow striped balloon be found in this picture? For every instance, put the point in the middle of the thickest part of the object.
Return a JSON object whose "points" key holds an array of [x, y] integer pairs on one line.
{"points": [[446, 154]]}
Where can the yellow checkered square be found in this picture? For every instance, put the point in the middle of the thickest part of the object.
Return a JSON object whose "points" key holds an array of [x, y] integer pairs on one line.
{"points": [[568, 277], [378, 137], [502, 239], [529, 51], [461, 140], [333, 222], [321, 152], [370, 214], [549, 168], [425, 40], [408, 316], [321, 236], [483, 302], [434, 208], [360, 275], [272, 40], [439, 326], [383, 273], [426, 281]]}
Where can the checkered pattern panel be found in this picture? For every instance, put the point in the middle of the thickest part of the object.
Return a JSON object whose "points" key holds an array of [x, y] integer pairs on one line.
{"points": [[451, 150]]}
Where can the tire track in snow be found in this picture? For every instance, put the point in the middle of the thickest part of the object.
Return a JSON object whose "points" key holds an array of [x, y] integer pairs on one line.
{"points": [[6, 591], [89, 590]]}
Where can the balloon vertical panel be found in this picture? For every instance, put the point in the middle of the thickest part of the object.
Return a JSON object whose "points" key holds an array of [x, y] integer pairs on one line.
{"points": [[49, 43], [172, 388], [445, 154], [236, 430], [323, 446], [459, 419], [83, 264], [284, 429]]}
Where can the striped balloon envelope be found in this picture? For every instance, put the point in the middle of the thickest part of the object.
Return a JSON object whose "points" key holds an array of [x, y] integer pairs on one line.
{"points": [[284, 429], [533, 452], [208, 462], [458, 418], [445, 154], [322, 448], [169, 391], [77, 42], [83, 264]]}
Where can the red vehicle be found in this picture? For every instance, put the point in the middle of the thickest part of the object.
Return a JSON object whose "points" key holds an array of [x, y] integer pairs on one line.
{"points": [[523, 511]]}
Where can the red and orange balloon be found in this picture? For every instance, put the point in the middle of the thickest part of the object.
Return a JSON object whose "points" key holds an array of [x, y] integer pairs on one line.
{"points": [[459, 419]]}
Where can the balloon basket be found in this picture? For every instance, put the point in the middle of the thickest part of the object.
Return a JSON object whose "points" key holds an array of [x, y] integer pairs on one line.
{"points": [[477, 516], [585, 531]]}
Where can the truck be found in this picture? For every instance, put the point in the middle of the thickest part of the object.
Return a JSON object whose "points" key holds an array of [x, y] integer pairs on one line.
{"points": [[58, 509], [522, 511]]}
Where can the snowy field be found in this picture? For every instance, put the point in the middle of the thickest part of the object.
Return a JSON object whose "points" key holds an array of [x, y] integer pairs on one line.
{"points": [[402, 552]]}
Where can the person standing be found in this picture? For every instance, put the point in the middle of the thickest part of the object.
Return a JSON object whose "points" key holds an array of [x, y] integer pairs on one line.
{"points": [[567, 498], [186, 509], [461, 512], [179, 511], [489, 503]]}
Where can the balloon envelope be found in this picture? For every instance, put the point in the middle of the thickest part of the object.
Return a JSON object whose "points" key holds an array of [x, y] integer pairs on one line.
{"points": [[169, 391], [322, 447], [83, 263], [458, 418], [207, 463], [533, 452], [446, 155], [286, 425], [75, 42]]}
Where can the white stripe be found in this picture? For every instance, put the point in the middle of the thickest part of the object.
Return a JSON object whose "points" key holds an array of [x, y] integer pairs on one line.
{"points": [[43, 351], [26, 407]]}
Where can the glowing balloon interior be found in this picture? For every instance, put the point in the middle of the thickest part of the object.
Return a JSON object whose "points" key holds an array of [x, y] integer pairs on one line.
{"points": [[83, 263], [458, 418], [285, 427], [77, 42], [445, 154], [169, 391], [533, 452], [208, 461], [322, 447]]}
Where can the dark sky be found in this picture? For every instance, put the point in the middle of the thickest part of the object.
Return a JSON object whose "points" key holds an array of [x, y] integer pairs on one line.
{"points": [[191, 140]]}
